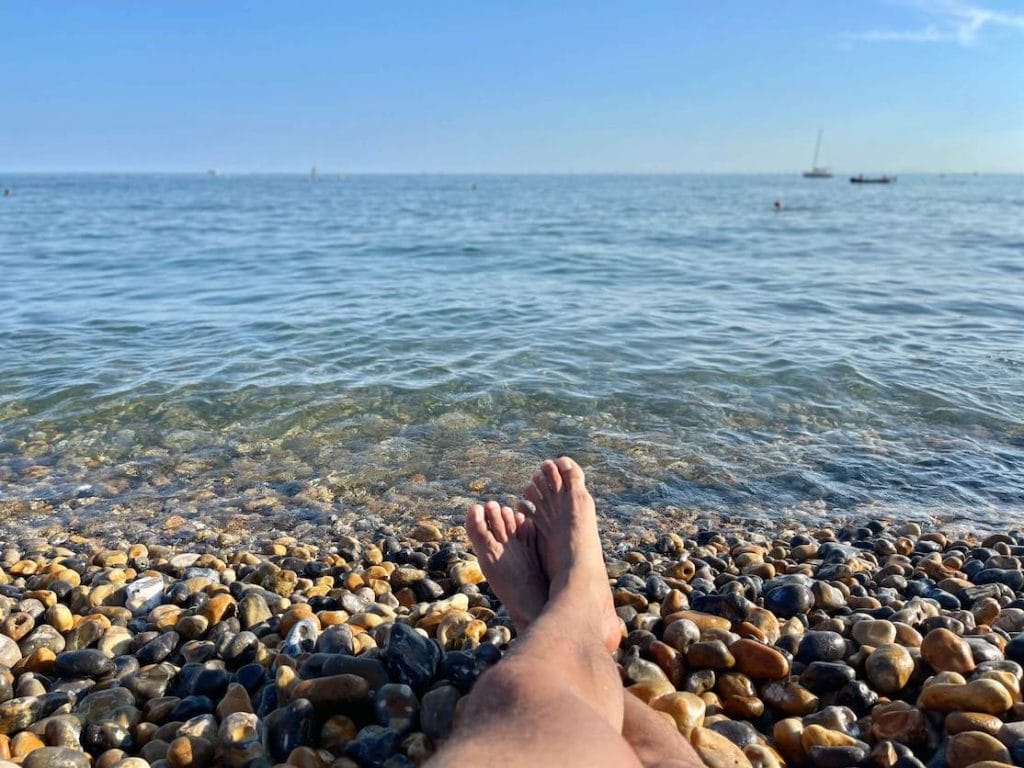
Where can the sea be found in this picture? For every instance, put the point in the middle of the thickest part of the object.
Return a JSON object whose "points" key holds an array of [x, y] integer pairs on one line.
{"points": [[260, 351]]}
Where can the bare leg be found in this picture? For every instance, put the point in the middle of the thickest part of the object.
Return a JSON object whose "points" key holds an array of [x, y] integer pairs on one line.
{"points": [[556, 699]]}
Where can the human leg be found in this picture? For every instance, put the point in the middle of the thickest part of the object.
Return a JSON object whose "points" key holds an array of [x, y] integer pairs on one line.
{"points": [[556, 699]]}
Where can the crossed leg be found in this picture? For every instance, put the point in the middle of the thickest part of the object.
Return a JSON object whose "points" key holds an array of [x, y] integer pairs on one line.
{"points": [[556, 698]]}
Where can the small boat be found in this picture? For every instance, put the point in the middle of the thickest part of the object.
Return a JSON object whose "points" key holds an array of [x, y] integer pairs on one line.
{"points": [[862, 179], [818, 171]]}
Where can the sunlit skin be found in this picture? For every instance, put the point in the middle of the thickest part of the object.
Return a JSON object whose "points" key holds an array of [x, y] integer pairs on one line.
{"points": [[556, 699]]}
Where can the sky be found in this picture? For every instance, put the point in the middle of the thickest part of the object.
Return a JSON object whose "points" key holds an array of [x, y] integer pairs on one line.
{"points": [[501, 87]]}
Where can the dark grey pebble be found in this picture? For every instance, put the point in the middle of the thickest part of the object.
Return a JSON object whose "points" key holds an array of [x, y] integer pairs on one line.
{"points": [[837, 757], [87, 662], [372, 746], [411, 658], [858, 696], [190, 706], [290, 727], [821, 646], [437, 713], [739, 732], [396, 707], [157, 649], [788, 600], [56, 757], [826, 676], [335, 639]]}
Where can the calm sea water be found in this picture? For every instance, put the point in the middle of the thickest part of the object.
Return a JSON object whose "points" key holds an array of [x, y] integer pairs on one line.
{"points": [[397, 345]]}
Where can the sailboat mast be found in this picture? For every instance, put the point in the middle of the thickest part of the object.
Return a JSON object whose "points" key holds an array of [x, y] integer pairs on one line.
{"points": [[817, 149]]}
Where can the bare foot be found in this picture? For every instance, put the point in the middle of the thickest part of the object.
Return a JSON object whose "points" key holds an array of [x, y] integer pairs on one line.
{"points": [[569, 543], [505, 543]]}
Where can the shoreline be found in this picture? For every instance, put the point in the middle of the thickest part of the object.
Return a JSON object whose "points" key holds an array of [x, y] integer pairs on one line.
{"points": [[817, 647]]}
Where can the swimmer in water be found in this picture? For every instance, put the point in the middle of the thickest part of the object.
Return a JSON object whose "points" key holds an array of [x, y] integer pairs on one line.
{"points": [[778, 205], [7, 192]]}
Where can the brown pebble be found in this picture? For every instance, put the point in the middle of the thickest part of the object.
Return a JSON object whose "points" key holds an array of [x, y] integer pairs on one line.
{"points": [[743, 707], [717, 751], [957, 722], [190, 752], [686, 710], [787, 734], [759, 661], [337, 731], [972, 747], [236, 699], [790, 698], [25, 742], [669, 660], [710, 654], [218, 608], [649, 690], [946, 652], [904, 725], [17, 625], [889, 668], [819, 736], [986, 696], [702, 620], [306, 757], [763, 756]]}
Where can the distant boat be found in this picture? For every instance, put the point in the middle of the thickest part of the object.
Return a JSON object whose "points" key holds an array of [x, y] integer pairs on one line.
{"points": [[212, 172], [313, 175], [818, 171], [862, 179]]}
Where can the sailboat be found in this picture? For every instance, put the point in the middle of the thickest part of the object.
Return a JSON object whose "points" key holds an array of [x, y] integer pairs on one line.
{"points": [[817, 171]]}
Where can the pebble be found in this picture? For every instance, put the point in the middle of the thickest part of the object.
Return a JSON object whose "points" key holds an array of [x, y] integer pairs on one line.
{"points": [[946, 652], [56, 757], [985, 696], [972, 747], [372, 746], [144, 594], [889, 668], [717, 751], [437, 713], [687, 710], [759, 661], [804, 648]]}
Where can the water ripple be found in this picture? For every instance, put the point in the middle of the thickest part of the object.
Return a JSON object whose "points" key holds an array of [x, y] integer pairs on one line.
{"points": [[177, 338]]}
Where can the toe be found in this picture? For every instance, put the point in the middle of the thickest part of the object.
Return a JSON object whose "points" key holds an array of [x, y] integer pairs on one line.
{"points": [[540, 482], [571, 474], [495, 521], [527, 531], [525, 509], [533, 495], [476, 527], [510, 521], [552, 475]]}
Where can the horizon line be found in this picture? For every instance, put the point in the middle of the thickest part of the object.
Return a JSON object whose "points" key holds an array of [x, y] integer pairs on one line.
{"points": [[326, 174]]}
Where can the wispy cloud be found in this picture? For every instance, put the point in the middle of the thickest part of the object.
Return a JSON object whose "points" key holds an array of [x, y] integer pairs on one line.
{"points": [[947, 21]]}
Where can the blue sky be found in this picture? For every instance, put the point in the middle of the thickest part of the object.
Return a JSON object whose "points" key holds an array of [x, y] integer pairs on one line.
{"points": [[721, 86]]}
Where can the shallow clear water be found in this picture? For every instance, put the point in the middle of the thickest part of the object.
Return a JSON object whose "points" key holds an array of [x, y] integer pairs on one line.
{"points": [[175, 343]]}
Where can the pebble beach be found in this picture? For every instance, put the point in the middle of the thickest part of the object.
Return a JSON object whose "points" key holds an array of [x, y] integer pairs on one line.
{"points": [[881, 645], [241, 418]]}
